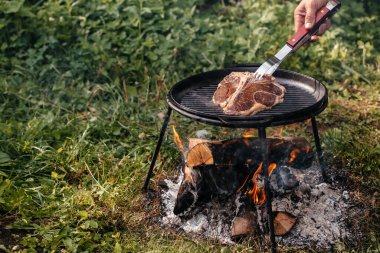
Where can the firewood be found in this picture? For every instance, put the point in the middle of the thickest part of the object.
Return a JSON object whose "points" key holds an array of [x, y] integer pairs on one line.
{"points": [[195, 141], [244, 224], [200, 154], [241, 227], [247, 151], [220, 168], [283, 223]]}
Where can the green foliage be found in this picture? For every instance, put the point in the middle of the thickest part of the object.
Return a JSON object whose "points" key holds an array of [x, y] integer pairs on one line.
{"points": [[140, 41], [82, 90]]}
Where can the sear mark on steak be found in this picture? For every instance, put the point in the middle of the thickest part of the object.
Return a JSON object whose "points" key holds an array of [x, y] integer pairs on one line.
{"points": [[240, 93]]}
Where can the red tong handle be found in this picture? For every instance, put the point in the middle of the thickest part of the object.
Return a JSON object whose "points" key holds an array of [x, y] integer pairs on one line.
{"points": [[303, 34]]}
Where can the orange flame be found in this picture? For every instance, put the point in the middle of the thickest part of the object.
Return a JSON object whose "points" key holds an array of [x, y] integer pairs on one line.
{"points": [[177, 140], [248, 133], [293, 155], [271, 168], [257, 193]]}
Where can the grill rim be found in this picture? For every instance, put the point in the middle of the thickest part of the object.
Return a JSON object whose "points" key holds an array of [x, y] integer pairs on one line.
{"points": [[247, 121]]}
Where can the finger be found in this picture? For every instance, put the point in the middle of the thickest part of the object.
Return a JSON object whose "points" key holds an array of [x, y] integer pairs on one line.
{"points": [[314, 38], [312, 6], [324, 27], [311, 9], [299, 16], [321, 29]]}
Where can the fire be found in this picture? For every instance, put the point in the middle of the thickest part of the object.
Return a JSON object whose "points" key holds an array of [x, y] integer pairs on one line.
{"points": [[248, 133], [187, 170], [177, 140], [257, 193], [271, 168], [293, 155]]}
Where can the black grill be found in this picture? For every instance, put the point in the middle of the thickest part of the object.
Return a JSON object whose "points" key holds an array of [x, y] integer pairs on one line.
{"points": [[304, 97]]}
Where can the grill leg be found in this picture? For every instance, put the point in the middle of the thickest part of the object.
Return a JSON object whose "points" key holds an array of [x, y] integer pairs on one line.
{"points": [[268, 193], [319, 148], [158, 146]]}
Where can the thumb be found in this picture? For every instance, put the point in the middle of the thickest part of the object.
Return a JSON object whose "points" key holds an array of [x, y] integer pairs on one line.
{"points": [[311, 9]]}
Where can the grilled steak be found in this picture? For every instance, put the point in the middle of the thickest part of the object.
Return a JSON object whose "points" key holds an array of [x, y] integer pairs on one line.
{"points": [[228, 86], [240, 93]]}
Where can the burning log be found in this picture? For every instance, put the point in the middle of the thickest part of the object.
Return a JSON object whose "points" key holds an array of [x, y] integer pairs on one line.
{"points": [[215, 168], [247, 152], [256, 192]]}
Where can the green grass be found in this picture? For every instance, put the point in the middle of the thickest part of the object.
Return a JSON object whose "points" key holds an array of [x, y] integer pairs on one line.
{"points": [[82, 87]]}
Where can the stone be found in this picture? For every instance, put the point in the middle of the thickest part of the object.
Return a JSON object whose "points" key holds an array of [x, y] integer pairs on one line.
{"points": [[345, 196], [286, 179]]}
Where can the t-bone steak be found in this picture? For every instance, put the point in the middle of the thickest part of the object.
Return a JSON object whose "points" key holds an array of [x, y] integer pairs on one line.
{"points": [[240, 93]]}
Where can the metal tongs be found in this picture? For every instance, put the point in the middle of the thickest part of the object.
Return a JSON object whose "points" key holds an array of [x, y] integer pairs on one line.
{"points": [[297, 40]]}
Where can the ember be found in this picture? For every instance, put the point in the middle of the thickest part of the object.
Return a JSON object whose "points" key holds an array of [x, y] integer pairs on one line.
{"points": [[293, 155]]}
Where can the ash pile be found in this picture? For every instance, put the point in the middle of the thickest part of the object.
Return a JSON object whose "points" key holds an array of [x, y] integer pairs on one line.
{"points": [[219, 195]]}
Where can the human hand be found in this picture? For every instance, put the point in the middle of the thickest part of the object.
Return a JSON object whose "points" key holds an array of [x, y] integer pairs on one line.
{"points": [[304, 15]]}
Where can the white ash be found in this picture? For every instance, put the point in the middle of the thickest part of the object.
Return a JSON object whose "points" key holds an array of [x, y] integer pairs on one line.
{"points": [[168, 201], [320, 210], [212, 222]]}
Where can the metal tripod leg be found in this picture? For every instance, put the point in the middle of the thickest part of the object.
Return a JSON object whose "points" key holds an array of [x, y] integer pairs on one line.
{"points": [[319, 148], [268, 193], [156, 151]]}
